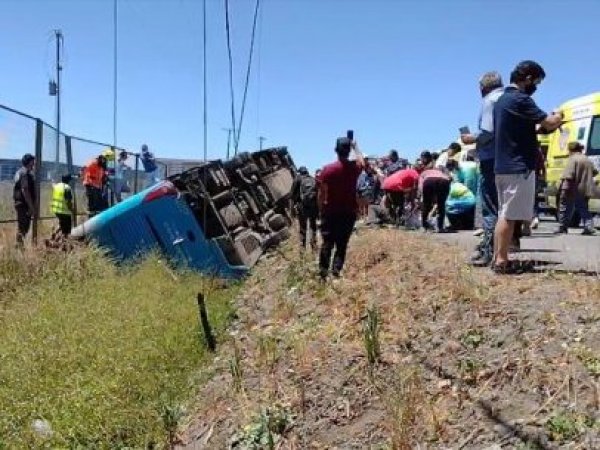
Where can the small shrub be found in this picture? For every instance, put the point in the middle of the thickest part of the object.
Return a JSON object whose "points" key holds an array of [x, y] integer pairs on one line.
{"points": [[564, 426], [265, 430], [472, 338]]}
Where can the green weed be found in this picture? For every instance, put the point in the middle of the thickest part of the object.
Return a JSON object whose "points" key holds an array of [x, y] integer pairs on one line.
{"points": [[371, 336], [235, 368], [268, 351]]}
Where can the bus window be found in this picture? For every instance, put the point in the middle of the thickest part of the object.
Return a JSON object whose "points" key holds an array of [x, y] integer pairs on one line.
{"points": [[594, 145]]}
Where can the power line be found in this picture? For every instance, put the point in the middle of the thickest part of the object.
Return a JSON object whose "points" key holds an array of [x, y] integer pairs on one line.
{"points": [[227, 31], [229, 130], [115, 72], [204, 84], [239, 131], [258, 70]]}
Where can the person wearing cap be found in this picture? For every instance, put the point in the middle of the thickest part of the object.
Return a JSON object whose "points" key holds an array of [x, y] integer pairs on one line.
{"points": [[577, 186], [62, 204], [338, 205], [24, 196], [304, 198], [515, 140], [95, 177]]}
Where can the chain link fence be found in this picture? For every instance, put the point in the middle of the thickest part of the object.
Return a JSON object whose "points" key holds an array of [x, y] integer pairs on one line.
{"points": [[59, 154]]}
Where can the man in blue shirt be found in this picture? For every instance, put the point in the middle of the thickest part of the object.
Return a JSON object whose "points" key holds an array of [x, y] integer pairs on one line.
{"points": [[490, 85], [515, 118]]}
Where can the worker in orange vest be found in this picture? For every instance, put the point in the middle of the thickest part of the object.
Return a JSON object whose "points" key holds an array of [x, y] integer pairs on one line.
{"points": [[95, 177]]}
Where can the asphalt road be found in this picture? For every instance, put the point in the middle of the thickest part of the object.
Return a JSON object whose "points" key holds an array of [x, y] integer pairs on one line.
{"points": [[571, 252]]}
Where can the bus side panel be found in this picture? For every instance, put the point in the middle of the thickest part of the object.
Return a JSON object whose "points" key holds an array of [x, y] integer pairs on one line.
{"points": [[182, 239], [130, 235]]}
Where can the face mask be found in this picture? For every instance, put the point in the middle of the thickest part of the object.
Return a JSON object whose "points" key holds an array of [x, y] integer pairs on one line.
{"points": [[530, 89]]}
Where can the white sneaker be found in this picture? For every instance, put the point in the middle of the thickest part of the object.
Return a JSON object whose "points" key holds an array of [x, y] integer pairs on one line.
{"points": [[478, 232], [535, 223]]}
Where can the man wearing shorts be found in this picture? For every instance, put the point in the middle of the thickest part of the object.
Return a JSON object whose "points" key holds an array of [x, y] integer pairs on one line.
{"points": [[516, 146]]}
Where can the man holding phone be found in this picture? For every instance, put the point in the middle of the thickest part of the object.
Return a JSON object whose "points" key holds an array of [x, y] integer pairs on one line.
{"points": [[338, 204]]}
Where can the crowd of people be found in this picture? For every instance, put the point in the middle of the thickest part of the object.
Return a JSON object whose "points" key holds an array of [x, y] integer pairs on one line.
{"points": [[102, 184], [495, 187]]}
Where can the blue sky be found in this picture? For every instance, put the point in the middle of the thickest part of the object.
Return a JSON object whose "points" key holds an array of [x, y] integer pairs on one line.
{"points": [[402, 74]]}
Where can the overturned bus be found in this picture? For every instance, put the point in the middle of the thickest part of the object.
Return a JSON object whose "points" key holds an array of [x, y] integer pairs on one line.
{"points": [[217, 218]]}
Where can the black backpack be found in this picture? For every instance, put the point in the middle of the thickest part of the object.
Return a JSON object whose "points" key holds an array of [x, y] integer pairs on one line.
{"points": [[308, 190]]}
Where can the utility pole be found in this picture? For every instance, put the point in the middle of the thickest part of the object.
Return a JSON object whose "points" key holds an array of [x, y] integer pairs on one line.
{"points": [[229, 131], [261, 139], [56, 91]]}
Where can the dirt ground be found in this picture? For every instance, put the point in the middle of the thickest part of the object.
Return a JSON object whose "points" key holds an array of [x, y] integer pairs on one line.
{"points": [[410, 349]]}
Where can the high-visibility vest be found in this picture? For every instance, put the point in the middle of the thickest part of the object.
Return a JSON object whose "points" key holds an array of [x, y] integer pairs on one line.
{"points": [[59, 203]]}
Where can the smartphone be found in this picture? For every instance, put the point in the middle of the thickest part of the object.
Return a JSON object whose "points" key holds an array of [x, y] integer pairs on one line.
{"points": [[464, 130], [350, 134]]}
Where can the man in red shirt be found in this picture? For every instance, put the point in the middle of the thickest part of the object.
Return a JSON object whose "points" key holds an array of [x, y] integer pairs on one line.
{"points": [[338, 205]]}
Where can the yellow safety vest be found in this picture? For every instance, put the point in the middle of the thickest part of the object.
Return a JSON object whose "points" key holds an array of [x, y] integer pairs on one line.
{"points": [[59, 204]]}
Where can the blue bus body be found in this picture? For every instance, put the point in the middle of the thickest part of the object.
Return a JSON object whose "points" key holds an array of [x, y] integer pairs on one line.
{"points": [[158, 219], [217, 218]]}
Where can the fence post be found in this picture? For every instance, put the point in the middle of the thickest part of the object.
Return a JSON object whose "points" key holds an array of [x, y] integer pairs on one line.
{"points": [[39, 139], [135, 177], [69, 152]]}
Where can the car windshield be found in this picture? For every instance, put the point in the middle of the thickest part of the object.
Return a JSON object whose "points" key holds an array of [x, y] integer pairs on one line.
{"points": [[594, 145]]}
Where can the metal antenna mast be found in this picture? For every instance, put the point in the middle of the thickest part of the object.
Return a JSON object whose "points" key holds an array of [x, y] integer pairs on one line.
{"points": [[56, 91]]}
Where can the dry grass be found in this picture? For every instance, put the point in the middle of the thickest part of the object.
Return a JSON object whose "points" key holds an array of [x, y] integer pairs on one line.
{"points": [[467, 359]]}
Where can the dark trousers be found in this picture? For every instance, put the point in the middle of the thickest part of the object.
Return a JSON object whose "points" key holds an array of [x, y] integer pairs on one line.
{"points": [[307, 215], [397, 200], [65, 222], [571, 202], [489, 205], [96, 200], [435, 192], [23, 223], [463, 221], [336, 230]]}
